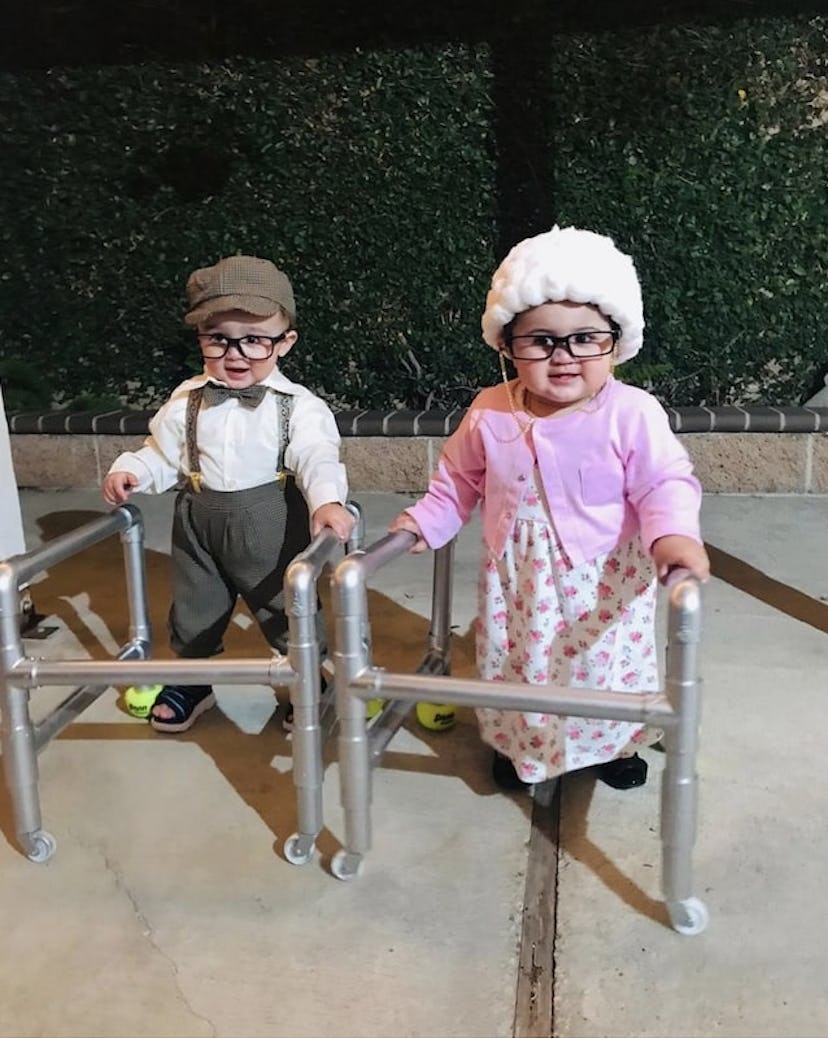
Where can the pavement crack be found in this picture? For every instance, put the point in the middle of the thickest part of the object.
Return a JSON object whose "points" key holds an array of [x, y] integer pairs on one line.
{"points": [[147, 930]]}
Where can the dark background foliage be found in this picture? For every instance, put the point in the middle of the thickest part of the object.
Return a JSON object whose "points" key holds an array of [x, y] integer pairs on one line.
{"points": [[387, 159], [365, 183], [715, 181]]}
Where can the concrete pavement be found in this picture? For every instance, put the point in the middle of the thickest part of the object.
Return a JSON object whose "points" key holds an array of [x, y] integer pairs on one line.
{"points": [[168, 909]]}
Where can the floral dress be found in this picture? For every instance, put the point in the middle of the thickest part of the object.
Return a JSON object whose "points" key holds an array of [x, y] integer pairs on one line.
{"points": [[543, 621]]}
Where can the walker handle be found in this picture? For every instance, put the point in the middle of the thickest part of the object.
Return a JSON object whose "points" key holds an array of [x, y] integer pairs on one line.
{"points": [[676, 574]]}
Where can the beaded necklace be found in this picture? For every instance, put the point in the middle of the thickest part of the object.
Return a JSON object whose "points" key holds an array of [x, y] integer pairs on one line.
{"points": [[523, 425]]}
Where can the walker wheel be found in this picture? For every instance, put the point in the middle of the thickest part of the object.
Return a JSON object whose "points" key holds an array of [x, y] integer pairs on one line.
{"points": [[298, 849], [689, 917], [42, 846], [346, 866]]}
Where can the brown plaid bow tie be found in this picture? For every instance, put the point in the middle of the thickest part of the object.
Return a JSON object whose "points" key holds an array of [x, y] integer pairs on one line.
{"points": [[251, 396]]}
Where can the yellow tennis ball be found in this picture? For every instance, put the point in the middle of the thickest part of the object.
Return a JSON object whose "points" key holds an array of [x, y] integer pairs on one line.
{"points": [[139, 699], [373, 707], [436, 717]]}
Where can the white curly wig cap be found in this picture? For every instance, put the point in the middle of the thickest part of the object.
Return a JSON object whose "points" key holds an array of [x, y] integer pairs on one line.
{"points": [[567, 264]]}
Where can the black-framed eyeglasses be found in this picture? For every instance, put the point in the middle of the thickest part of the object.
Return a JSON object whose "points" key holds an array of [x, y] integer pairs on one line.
{"points": [[584, 345], [251, 347]]}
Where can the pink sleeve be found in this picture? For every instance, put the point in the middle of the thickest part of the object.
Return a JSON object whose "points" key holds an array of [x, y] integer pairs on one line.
{"points": [[660, 482], [456, 486]]}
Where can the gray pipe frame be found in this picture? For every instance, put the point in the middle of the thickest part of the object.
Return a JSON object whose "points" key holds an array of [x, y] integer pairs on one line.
{"points": [[359, 750], [21, 739], [677, 710], [679, 783], [301, 580], [33, 673], [437, 659]]}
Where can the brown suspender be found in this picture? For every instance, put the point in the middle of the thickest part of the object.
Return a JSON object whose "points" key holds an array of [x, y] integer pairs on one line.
{"points": [[193, 405], [285, 407], [285, 401]]}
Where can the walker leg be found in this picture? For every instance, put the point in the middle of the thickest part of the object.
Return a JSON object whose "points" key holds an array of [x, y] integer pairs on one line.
{"points": [[20, 768], [688, 915], [355, 788], [679, 798], [307, 740]]}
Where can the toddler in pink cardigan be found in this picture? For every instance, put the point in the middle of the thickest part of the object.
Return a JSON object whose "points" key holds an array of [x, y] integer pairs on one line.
{"points": [[587, 498]]}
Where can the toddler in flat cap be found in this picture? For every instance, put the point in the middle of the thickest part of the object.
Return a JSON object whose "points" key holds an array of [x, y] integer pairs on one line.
{"points": [[587, 498], [256, 460]]}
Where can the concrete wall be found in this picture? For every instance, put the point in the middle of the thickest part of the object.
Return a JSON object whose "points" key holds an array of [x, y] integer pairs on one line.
{"points": [[726, 462]]}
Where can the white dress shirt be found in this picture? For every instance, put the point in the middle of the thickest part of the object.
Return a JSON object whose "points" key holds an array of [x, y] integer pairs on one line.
{"points": [[238, 446]]}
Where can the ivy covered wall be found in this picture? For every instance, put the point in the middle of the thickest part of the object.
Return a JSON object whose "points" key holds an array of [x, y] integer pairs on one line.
{"points": [[365, 177], [705, 152], [370, 176]]}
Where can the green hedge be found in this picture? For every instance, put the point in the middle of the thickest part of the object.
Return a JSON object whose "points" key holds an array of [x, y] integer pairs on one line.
{"points": [[370, 177], [704, 153], [367, 177]]}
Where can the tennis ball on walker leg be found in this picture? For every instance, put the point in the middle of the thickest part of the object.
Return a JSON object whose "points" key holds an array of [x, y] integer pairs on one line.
{"points": [[436, 716], [373, 707], [139, 699]]}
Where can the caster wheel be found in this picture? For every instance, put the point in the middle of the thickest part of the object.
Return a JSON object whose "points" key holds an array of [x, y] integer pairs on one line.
{"points": [[346, 866], [299, 849], [42, 846], [689, 917]]}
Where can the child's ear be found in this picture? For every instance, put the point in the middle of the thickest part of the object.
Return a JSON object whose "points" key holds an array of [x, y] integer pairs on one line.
{"points": [[286, 344]]}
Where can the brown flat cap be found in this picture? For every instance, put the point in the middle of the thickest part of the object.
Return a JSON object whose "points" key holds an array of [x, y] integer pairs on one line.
{"points": [[246, 283]]}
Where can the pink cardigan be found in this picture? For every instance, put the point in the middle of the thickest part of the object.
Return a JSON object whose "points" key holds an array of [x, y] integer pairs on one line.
{"points": [[608, 471]]}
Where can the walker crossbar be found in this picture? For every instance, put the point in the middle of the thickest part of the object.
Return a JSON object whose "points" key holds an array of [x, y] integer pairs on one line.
{"points": [[651, 708], [676, 710], [22, 739]]}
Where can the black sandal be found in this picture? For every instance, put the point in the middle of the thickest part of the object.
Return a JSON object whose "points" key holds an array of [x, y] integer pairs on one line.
{"points": [[187, 702], [624, 772]]}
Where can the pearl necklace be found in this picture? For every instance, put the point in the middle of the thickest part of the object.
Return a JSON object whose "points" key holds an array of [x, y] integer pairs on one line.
{"points": [[523, 425]]}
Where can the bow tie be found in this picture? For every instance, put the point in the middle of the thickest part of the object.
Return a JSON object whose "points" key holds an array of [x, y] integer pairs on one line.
{"points": [[251, 396]]}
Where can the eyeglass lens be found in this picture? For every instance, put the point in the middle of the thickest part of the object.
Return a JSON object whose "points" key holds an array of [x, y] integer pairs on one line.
{"points": [[580, 345], [251, 347]]}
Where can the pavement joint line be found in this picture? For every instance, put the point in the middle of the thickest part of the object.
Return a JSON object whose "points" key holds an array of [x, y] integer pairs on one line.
{"points": [[535, 989]]}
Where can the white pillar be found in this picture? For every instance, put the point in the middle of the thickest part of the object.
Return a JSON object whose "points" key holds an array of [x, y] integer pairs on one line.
{"points": [[11, 521]]}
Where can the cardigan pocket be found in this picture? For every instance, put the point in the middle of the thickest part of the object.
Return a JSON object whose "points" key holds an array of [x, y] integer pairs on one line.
{"points": [[602, 484]]}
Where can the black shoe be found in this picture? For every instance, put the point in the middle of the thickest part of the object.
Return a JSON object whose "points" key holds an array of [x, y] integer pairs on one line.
{"points": [[504, 774], [624, 772]]}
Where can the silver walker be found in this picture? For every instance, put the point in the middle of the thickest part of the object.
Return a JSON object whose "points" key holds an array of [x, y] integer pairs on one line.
{"points": [[22, 739], [676, 710]]}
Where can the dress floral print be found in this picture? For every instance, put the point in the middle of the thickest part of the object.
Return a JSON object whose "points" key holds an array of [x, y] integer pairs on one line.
{"points": [[542, 621]]}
